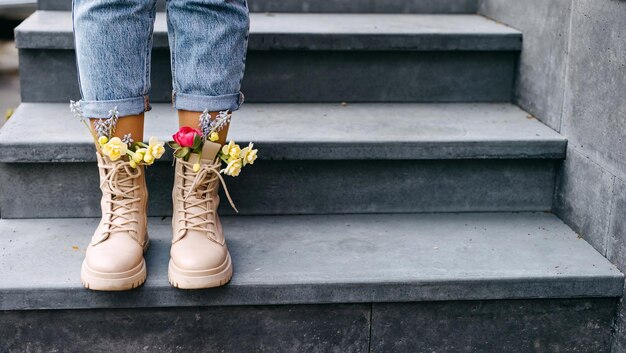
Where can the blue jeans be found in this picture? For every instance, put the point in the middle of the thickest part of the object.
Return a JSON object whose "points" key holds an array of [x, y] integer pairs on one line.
{"points": [[207, 38]]}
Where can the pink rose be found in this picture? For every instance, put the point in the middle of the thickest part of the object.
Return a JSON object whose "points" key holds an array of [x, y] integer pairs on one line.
{"points": [[185, 136]]}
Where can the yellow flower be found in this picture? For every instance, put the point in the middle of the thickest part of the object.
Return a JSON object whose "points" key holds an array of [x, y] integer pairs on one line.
{"points": [[102, 140], [214, 136], [233, 168], [148, 158], [132, 163], [114, 149], [196, 167], [232, 150], [139, 155], [231, 158], [248, 155], [155, 147]]}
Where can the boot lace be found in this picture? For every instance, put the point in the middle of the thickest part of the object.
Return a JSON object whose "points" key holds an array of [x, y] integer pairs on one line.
{"points": [[196, 211], [120, 183]]}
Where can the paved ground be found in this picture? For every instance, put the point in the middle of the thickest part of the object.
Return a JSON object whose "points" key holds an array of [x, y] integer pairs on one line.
{"points": [[9, 78]]}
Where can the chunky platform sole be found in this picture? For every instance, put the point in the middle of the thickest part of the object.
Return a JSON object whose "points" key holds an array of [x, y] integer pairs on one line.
{"points": [[215, 277], [117, 281]]}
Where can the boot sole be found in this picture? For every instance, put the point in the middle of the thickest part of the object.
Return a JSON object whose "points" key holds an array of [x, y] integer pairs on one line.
{"points": [[119, 281], [184, 279]]}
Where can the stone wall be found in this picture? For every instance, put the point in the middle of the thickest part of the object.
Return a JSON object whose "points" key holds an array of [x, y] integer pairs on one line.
{"points": [[572, 76]]}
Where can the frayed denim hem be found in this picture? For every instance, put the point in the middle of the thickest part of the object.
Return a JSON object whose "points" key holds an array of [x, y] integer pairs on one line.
{"points": [[196, 103], [124, 107]]}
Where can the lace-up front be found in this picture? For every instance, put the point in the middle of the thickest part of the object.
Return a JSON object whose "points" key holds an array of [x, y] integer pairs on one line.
{"points": [[196, 192], [120, 190], [123, 190]]}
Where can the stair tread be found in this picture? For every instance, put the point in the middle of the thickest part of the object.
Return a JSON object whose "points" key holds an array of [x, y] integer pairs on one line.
{"points": [[324, 259], [53, 30], [313, 131]]}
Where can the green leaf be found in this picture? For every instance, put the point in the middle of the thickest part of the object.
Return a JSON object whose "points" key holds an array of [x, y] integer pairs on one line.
{"points": [[181, 152], [173, 145], [197, 140]]}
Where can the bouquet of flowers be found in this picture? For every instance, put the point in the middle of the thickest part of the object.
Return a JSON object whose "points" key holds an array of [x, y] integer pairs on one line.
{"points": [[135, 152], [188, 141]]}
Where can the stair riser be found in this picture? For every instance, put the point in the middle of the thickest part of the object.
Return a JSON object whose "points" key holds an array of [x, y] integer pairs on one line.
{"points": [[302, 187], [312, 76], [342, 6], [477, 326]]}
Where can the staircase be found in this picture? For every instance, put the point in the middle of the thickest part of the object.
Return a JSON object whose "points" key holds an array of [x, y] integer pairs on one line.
{"points": [[401, 203]]}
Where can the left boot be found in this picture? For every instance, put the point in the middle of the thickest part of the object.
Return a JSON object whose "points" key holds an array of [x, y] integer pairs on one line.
{"points": [[114, 259], [199, 255]]}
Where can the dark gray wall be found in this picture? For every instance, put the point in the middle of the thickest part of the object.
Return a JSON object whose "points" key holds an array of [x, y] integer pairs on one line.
{"points": [[572, 76], [541, 70]]}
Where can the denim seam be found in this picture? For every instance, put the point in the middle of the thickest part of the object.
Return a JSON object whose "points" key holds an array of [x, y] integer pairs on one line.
{"points": [[243, 69], [80, 89], [147, 59], [172, 57]]}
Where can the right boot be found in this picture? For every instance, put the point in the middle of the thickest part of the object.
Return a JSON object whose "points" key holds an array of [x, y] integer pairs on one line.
{"points": [[114, 259], [199, 256]]}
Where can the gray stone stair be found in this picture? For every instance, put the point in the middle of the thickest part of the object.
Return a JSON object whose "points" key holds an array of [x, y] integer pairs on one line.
{"points": [[315, 159], [361, 276], [350, 238], [344, 6], [329, 58]]}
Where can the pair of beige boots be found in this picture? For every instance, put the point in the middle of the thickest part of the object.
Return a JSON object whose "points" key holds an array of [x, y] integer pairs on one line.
{"points": [[114, 259]]}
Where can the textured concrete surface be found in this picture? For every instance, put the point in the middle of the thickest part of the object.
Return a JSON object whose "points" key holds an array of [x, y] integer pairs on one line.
{"points": [[302, 187], [616, 253], [541, 70], [314, 76], [325, 259], [344, 6], [494, 326], [53, 30], [314, 131], [520, 326], [616, 246], [293, 329], [573, 325], [590, 189], [583, 198], [358, 76], [595, 110]]}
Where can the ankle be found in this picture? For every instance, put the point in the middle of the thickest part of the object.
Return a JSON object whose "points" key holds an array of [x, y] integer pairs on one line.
{"points": [[192, 119], [130, 124]]}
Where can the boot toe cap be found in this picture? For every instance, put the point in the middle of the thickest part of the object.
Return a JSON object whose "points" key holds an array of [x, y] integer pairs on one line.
{"points": [[114, 256], [198, 254]]}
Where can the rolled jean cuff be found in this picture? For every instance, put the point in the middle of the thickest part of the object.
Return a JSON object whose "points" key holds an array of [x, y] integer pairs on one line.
{"points": [[195, 103], [124, 107]]}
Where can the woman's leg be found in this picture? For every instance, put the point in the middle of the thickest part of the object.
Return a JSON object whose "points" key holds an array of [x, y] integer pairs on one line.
{"points": [[208, 39], [208, 43], [113, 42]]}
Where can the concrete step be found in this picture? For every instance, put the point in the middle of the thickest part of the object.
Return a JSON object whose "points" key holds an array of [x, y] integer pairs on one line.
{"points": [[399, 283], [314, 159], [343, 6], [315, 58]]}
